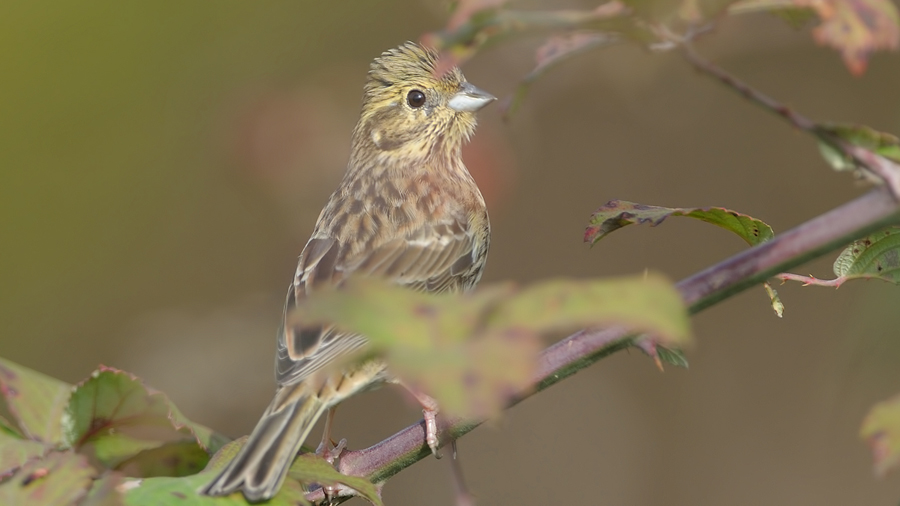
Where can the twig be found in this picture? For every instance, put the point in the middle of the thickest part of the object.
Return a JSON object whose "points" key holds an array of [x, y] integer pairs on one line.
{"points": [[885, 170]]}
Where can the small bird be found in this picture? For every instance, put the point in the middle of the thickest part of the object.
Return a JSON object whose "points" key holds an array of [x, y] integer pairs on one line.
{"points": [[408, 211]]}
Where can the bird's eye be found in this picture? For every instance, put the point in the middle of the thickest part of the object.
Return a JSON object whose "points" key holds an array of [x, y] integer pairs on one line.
{"points": [[415, 99]]}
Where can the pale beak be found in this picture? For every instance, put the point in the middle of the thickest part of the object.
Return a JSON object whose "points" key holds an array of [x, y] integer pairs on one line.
{"points": [[470, 99]]}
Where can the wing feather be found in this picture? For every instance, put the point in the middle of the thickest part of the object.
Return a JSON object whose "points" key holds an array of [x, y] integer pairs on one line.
{"points": [[437, 257]]}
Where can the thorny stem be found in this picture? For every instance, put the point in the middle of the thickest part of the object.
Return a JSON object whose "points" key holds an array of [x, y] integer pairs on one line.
{"points": [[824, 233]]}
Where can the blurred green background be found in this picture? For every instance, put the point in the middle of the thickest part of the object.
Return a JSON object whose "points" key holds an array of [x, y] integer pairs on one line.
{"points": [[162, 164]]}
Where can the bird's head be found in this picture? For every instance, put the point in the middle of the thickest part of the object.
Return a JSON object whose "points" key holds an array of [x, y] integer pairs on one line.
{"points": [[407, 107]]}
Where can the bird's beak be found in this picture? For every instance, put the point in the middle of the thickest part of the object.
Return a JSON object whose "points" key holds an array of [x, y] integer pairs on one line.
{"points": [[470, 99]]}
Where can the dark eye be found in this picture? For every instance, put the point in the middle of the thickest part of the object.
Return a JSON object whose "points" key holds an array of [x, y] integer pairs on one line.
{"points": [[415, 99]]}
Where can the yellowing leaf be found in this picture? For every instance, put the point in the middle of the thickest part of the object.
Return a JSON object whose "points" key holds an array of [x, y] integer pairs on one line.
{"points": [[60, 479], [473, 352], [34, 400], [881, 429], [15, 451], [563, 305]]}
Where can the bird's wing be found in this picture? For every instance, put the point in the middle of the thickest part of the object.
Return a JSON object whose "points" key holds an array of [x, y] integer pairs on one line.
{"points": [[436, 257]]}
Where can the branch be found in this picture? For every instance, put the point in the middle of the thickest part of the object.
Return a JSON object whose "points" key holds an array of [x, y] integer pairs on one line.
{"points": [[883, 169], [826, 232]]}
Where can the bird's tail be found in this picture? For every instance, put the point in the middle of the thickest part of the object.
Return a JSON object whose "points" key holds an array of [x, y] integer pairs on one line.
{"points": [[262, 464]]}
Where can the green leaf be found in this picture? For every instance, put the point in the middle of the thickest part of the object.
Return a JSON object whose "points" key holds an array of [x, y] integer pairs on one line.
{"points": [[183, 492], [310, 469], [473, 352], [180, 458], [672, 356], [881, 429], [62, 478], [874, 257], [35, 401], [114, 417], [774, 299], [646, 304], [227, 452], [105, 491], [616, 214], [881, 143], [15, 451]]}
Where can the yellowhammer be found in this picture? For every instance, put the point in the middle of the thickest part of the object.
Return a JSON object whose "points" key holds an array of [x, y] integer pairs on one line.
{"points": [[407, 210]]}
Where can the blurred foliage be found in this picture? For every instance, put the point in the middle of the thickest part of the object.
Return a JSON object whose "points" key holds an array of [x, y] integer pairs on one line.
{"points": [[474, 352]]}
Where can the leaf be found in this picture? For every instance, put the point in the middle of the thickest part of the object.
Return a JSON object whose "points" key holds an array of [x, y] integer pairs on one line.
{"points": [[62, 478], [881, 143], [616, 214], [222, 457], [16, 451], [310, 469], [105, 491], [881, 430], [672, 356], [856, 28], [646, 304], [774, 299], [180, 458], [114, 417], [184, 492], [473, 352], [35, 401], [796, 16], [874, 257]]}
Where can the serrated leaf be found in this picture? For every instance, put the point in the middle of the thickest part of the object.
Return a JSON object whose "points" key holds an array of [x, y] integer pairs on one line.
{"points": [[34, 400], [114, 417], [616, 214], [183, 492], [874, 257], [311, 469], [472, 352], [15, 451], [60, 479], [881, 430]]}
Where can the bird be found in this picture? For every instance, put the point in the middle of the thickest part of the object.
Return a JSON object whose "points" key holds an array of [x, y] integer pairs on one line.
{"points": [[407, 210]]}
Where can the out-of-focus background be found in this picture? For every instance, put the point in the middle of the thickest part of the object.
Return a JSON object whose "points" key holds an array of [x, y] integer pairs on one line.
{"points": [[162, 164]]}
